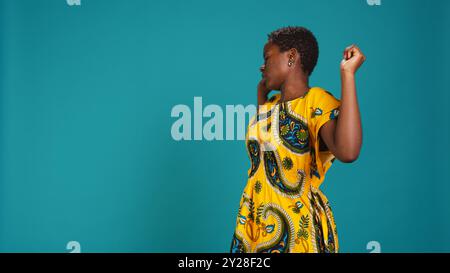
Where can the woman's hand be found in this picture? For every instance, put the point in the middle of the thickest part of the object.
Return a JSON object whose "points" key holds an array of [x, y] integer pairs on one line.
{"points": [[353, 58]]}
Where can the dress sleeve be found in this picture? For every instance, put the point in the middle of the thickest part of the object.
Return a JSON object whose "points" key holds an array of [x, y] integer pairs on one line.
{"points": [[323, 107]]}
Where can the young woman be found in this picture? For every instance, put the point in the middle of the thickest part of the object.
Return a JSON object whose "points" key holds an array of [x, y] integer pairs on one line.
{"points": [[292, 142]]}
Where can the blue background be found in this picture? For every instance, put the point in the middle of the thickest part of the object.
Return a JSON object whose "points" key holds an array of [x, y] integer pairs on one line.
{"points": [[87, 91]]}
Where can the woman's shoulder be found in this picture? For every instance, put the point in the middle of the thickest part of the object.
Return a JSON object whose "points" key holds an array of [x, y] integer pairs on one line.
{"points": [[320, 93], [275, 98], [319, 96], [315, 96], [271, 102]]}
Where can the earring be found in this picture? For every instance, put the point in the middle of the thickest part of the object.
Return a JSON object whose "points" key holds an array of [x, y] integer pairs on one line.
{"points": [[291, 62]]}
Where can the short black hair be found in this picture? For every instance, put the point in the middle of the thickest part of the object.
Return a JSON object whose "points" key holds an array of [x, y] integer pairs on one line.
{"points": [[301, 39]]}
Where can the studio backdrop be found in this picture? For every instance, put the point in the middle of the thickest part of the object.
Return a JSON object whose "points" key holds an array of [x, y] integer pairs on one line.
{"points": [[89, 96]]}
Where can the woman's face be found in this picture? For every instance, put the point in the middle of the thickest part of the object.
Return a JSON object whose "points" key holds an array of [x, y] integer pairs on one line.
{"points": [[275, 68]]}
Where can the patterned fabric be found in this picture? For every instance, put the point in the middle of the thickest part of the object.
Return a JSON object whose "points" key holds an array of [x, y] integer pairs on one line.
{"points": [[282, 208]]}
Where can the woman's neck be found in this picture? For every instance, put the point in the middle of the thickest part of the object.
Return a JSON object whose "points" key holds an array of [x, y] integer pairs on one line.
{"points": [[294, 88]]}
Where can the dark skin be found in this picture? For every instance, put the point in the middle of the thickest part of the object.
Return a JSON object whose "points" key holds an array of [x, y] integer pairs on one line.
{"points": [[341, 136]]}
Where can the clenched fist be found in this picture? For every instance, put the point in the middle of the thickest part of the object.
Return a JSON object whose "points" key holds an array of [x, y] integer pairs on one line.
{"points": [[353, 58]]}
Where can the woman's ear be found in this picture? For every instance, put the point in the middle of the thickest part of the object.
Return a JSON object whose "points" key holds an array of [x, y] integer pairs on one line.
{"points": [[293, 54]]}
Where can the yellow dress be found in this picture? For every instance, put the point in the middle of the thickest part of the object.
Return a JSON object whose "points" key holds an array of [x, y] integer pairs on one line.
{"points": [[282, 208]]}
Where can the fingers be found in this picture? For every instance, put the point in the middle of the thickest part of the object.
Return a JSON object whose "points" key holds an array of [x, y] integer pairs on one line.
{"points": [[347, 51], [350, 51], [353, 50]]}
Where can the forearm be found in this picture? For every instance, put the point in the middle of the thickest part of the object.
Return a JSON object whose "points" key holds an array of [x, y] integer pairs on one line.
{"points": [[348, 135], [262, 98]]}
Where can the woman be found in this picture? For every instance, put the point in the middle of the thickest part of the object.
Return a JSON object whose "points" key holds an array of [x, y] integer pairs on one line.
{"points": [[292, 142]]}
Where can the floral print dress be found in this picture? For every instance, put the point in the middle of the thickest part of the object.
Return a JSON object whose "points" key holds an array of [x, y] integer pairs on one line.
{"points": [[282, 208]]}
